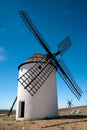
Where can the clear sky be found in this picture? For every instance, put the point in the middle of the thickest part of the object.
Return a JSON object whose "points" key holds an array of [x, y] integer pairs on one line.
{"points": [[55, 19]]}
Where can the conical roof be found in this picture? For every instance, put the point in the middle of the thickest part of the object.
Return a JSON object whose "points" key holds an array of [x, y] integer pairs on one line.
{"points": [[36, 58]]}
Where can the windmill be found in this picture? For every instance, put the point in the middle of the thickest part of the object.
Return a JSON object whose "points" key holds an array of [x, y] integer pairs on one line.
{"points": [[33, 79], [69, 103]]}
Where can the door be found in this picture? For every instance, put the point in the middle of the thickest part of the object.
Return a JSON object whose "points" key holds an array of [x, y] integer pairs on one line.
{"points": [[21, 109]]}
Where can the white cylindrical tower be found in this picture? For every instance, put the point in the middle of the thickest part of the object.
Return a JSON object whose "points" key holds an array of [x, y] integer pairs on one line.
{"points": [[43, 104]]}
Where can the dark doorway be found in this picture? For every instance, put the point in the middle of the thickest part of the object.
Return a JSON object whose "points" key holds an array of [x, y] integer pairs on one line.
{"points": [[22, 109]]}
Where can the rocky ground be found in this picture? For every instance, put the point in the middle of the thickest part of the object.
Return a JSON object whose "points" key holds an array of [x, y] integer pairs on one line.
{"points": [[66, 121]]}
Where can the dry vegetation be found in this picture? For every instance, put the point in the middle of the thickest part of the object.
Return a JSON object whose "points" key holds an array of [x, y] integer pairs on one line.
{"points": [[66, 121]]}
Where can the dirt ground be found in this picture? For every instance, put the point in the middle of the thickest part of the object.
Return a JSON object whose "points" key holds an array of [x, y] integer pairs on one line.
{"points": [[65, 121]]}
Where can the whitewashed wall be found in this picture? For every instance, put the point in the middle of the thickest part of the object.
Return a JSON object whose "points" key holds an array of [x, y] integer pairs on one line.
{"points": [[44, 103]]}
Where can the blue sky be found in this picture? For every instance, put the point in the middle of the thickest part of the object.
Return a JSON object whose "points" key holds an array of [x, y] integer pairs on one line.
{"points": [[55, 19]]}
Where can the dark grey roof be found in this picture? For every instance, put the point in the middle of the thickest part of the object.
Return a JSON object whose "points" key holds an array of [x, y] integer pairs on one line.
{"points": [[36, 58]]}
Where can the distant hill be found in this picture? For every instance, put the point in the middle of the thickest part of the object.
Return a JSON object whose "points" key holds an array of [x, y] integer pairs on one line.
{"points": [[5, 111], [79, 110]]}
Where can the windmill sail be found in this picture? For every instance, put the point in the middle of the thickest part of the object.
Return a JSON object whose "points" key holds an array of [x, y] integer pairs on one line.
{"points": [[62, 69], [33, 29], [33, 79], [64, 45], [69, 80]]}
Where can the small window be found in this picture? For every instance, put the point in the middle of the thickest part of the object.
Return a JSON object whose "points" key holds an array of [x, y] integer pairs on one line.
{"points": [[21, 69]]}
